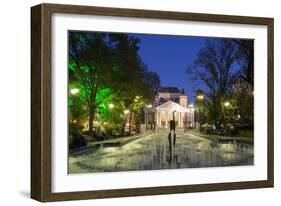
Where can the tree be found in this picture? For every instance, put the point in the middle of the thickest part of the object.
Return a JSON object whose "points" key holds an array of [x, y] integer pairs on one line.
{"points": [[90, 65], [136, 84], [76, 110], [244, 100], [200, 110], [244, 95], [214, 68], [127, 71], [245, 57], [106, 68], [109, 115]]}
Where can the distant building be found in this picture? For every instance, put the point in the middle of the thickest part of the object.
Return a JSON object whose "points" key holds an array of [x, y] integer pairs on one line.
{"points": [[168, 100]]}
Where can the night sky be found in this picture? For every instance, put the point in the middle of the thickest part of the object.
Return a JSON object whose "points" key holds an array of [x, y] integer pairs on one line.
{"points": [[169, 56]]}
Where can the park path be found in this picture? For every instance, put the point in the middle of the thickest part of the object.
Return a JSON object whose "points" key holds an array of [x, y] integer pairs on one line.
{"points": [[152, 152]]}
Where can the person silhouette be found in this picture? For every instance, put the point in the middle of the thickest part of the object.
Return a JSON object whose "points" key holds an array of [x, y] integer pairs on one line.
{"points": [[172, 135], [173, 128]]}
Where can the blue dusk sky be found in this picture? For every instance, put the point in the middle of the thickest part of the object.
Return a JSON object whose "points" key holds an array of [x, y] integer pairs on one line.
{"points": [[169, 56]]}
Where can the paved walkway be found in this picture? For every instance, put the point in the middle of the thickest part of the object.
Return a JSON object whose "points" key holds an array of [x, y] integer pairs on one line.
{"points": [[109, 142], [152, 152], [247, 140]]}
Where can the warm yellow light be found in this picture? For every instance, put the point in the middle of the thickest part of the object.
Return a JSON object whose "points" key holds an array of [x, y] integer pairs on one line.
{"points": [[126, 111], [149, 106], [227, 103], [190, 105], [200, 97], [74, 91], [111, 106]]}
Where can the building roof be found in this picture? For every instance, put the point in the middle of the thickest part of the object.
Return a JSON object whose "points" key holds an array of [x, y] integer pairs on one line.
{"points": [[169, 90], [171, 106]]}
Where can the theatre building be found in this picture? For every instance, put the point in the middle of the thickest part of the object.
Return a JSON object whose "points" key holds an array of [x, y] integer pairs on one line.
{"points": [[168, 100]]}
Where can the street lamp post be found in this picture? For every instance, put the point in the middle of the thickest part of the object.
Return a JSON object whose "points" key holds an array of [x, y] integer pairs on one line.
{"points": [[190, 106], [200, 98], [146, 118], [227, 105], [228, 108], [126, 112]]}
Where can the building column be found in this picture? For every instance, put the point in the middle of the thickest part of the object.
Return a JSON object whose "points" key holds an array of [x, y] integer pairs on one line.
{"points": [[179, 119], [160, 118], [156, 117], [167, 117]]}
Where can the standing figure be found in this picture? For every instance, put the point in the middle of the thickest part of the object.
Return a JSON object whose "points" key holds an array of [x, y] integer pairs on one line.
{"points": [[172, 133]]}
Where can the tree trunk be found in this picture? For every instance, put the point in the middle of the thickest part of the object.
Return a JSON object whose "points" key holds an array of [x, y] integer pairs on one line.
{"points": [[91, 119]]}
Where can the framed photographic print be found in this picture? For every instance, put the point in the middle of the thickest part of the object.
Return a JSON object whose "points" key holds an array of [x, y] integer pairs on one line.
{"points": [[132, 102]]}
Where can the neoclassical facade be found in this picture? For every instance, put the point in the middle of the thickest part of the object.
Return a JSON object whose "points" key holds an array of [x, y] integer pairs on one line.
{"points": [[168, 100]]}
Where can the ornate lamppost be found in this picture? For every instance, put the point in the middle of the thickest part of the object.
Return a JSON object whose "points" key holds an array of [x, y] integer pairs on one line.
{"points": [[200, 98]]}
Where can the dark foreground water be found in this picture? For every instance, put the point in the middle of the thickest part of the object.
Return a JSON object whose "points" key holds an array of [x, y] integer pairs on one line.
{"points": [[153, 152]]}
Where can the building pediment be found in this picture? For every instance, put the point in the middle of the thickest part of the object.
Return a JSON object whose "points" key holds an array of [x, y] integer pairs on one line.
{"points": [[171, 106]]}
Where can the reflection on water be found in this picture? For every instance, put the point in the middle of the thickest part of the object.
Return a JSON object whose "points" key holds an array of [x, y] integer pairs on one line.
{"points": [[152, 152]]}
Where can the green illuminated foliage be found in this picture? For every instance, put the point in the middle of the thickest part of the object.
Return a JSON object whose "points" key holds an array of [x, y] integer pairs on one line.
{"points": [[107, 69]]}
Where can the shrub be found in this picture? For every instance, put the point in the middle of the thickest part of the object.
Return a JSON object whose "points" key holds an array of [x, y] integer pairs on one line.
{"points": [[77, 141]]}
